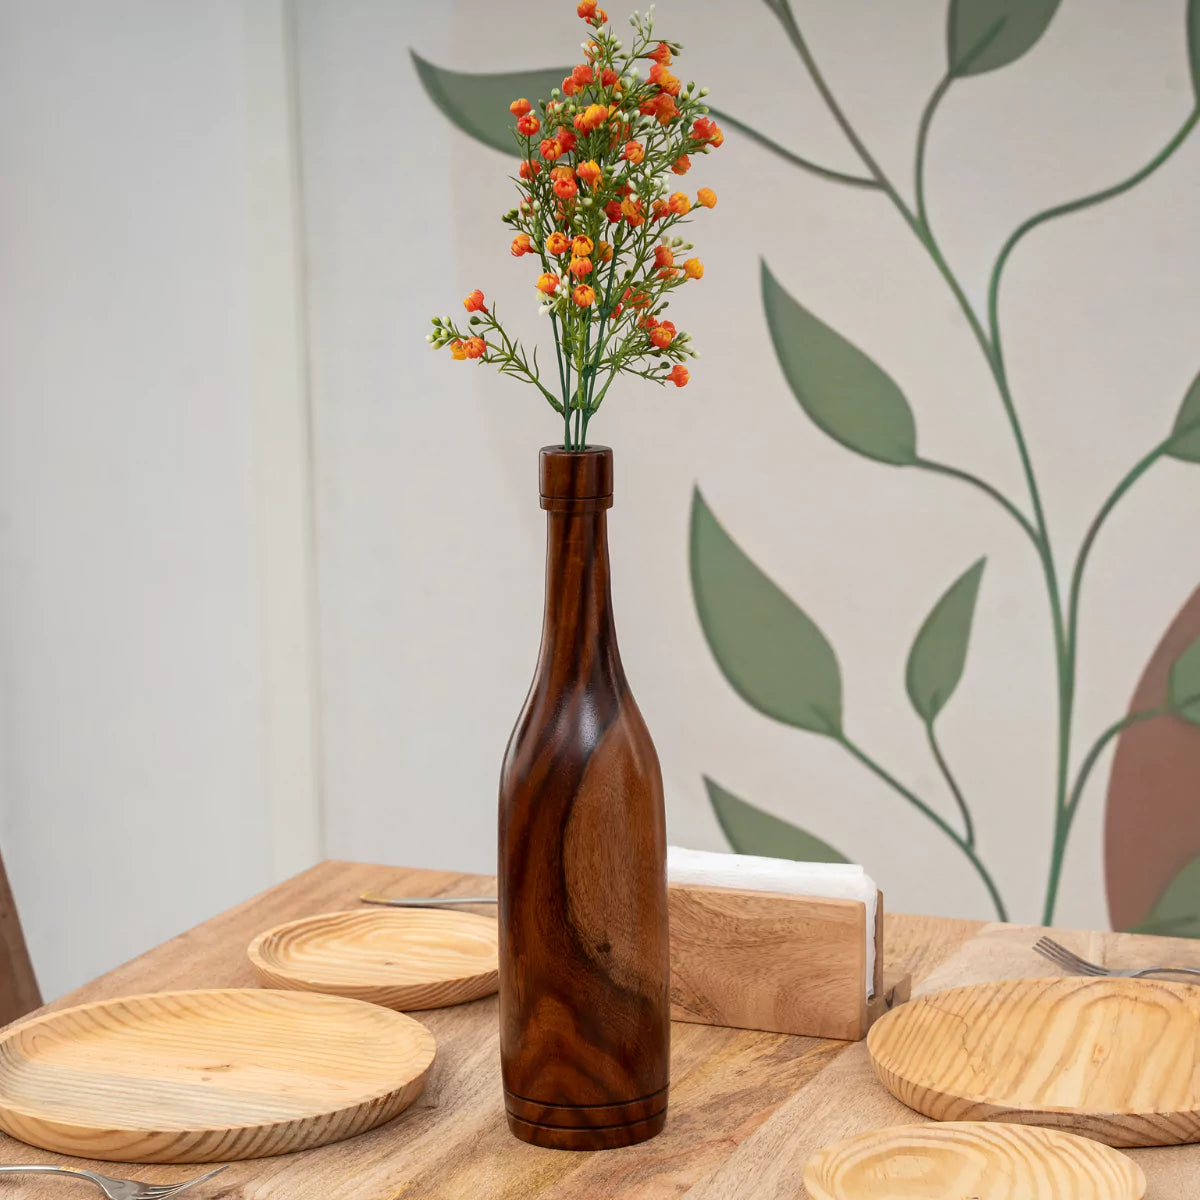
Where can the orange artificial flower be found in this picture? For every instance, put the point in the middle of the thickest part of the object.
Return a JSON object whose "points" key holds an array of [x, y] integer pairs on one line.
{"points": [[634, 152], [587, 9], [569, 86], [693, 268], [631, 210], [582, 75], [547, 283], [590, 173], [550, 149], [581, 245], [583, 295], [565, 138], [681, 165], [608, 77], [475, 347], [661, 337], [707, 197], [678, 375], [530, 169], [679, 204], [663, 107], [457, 350], [557, 243], [474, 302], [612, 210], [591, 118], [664, 256], [659, 209], [519, 108], [522, 245], [661, 54], [581, 267], [528, 125], [604, 252], [565, 188], [707, 130], [664, 79]]}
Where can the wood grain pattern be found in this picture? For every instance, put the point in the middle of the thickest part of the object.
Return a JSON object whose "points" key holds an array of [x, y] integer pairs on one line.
{"points": [[780, 963], [19, 992], [208, 1076], [1112, 1059], [949, 1161], [406, 959], [584, 1008], [748, 1110]]}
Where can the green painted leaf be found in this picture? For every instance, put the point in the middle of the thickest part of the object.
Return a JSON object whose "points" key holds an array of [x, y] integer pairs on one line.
{"points": [[844, 392], [1183, 688], [939, 651], [1193, 39], [985, 34], [1176, 913], [1187, 446], [775, 658], [478, 104], [752, 831]]}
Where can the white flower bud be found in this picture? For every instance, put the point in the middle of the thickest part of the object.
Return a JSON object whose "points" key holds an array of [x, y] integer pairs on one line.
{"points": [[430, 338], [586, 202], [703, 92]]}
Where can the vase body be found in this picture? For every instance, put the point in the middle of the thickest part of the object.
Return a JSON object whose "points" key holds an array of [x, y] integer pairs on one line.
{"points": [[584, 955]]}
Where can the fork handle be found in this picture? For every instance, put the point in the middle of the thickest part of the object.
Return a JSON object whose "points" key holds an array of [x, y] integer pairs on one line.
{"points": [[1167, 971], [38, 1170]]}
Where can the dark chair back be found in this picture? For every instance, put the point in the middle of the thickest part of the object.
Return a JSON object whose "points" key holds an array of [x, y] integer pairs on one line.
{"points": [[19, 992]]}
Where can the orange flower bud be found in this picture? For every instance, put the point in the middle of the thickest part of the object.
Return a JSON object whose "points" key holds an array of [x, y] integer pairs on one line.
{"points": [[604, 252], [519, 108], [707, 130], [659, 209], [581, 267], [529, 169], [521, 245], [662, 106], [565, 138], [681, 165], [587, 9], [693, 268], [631, 210], [678, 375], [547, 283], [608, 77], [679, 204], [569, 86], [661, 54], [664, 79], [717, 138], [581, 245], [564, 189], [590, 173], [457, 350], [707, 197], [528, 125], [612, 210], [583, 295], [474, 302], [664, 256], [634, 152], [591, 118], [475, 347], [661, 337], [557, 243], [582, 75], [550, 149]]}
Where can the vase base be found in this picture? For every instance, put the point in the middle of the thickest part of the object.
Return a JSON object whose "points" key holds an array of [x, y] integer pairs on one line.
{"points": [[608, 1137]]}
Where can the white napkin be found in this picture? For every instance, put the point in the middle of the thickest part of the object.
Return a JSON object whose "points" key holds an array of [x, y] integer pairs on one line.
{"points": [[841, 881]]}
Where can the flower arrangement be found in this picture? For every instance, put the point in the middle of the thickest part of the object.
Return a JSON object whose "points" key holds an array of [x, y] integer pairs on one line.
{"points": [[600, 161]]}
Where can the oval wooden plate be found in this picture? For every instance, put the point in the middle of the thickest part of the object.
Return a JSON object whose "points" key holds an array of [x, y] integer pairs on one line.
{"points": [[1112, 1059], [970, 1159], [401, 958], [208, 1076]]}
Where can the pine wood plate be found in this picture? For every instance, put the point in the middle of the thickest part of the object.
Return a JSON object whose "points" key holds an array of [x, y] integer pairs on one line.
{"points": [[1112, 1059], [208, 1076], [968, 1160], [401, 958]]}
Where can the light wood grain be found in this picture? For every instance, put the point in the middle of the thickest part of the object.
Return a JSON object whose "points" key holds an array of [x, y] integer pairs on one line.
{"points": [[780, 963], [748, 1110], [406, 959], [206, 1076], [955, 1160], [1114, 1059], [18, 987]]}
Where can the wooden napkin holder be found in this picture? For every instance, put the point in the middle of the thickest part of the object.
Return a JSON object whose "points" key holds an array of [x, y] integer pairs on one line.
{"points": [[775, 962]]}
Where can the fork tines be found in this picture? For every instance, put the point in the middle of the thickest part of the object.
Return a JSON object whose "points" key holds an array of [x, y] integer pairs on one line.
{"points": [[1056, 953]]}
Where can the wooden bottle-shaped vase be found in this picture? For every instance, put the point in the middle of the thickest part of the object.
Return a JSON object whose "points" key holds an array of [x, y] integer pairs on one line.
{"points": [[584, 956]]}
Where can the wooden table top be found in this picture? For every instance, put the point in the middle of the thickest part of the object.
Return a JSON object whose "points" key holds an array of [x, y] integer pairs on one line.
{"points": [[747, 1109]]}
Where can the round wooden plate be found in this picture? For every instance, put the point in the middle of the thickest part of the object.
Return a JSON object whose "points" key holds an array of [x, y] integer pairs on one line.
{"points": [[208, 1076], [1112, 1059], [401, 958], [971, 1159]]}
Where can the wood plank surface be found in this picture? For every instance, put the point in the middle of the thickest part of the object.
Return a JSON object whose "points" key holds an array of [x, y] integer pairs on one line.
{"points": [[747, 1109]]}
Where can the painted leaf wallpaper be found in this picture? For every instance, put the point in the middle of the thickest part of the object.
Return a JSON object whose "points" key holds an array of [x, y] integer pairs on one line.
{"points": [[767, 639]]}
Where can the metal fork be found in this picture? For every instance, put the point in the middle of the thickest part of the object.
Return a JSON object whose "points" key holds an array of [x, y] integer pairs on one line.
{"points": [[117, 1189], [1068, 959]]}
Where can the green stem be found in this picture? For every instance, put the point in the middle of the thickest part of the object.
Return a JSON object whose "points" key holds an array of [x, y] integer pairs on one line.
{"points": [[939, 93], [948, 829], [982, 484], [952, 783], [803, 163]]}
